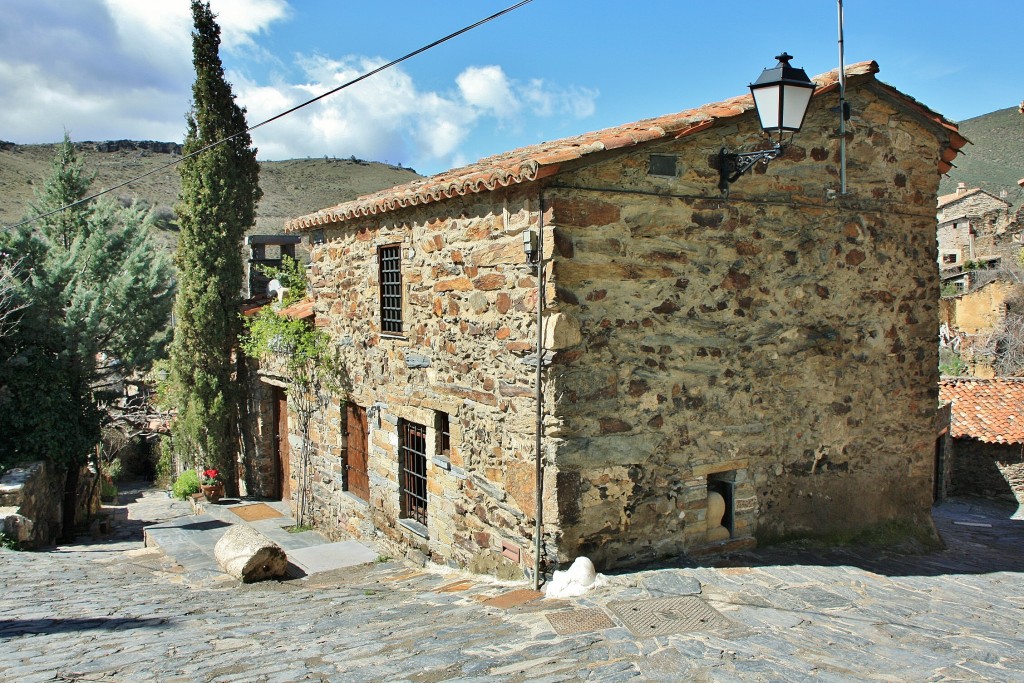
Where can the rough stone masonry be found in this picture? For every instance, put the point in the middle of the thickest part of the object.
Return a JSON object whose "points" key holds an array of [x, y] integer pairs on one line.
{"points": [[776, 346]]}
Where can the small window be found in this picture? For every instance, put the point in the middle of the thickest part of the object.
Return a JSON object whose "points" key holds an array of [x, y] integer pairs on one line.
{"points": [[949, 258], [413, 471], [662, 164], [444, 435], [390, 259]]}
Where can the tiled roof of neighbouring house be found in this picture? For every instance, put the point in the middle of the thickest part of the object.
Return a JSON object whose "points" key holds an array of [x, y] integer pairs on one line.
{"points": [[952, 197], [989, 410], [545, 159]]}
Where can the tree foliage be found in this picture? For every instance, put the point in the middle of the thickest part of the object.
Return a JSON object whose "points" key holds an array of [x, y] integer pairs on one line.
{"points": [[219, 191], [96, 299], [306, 359]]}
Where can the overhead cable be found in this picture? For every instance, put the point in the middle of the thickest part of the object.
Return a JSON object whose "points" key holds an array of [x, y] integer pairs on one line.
{"points": [[355, 80]]}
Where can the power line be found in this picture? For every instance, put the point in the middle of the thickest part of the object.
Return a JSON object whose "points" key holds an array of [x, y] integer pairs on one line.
{"points": [[294, 109]]}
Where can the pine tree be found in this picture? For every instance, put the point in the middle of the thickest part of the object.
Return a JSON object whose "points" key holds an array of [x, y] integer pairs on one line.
{"points": [[219, 191], [92, 287]]}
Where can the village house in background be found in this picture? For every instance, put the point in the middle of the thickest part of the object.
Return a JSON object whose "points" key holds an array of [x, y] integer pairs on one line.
{"points": [[980, 240], [988, 436], [978, 235], [772, 352]]}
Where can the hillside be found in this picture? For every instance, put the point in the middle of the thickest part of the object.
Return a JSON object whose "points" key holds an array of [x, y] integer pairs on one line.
{"points": [[290, 188], [995, 160]]}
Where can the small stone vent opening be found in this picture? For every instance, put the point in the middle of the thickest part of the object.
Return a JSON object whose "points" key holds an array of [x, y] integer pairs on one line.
{"points": [[662, 164], [723, 484]]}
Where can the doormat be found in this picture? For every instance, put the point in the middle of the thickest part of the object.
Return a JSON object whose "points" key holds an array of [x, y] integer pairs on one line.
{"points": [[513, 598], [665, 616], [570, 621], [255, 512]]}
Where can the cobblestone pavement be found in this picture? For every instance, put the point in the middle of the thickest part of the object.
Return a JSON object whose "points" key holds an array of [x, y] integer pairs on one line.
{"points": [[110, 610]]}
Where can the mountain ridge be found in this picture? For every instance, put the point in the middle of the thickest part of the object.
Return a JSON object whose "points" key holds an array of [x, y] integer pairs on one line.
{"points": [[291, 188]]}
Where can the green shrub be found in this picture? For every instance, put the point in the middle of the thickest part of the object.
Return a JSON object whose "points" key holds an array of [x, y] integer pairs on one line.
{"points": [[113, 469], [165, 463], [186, 484], [108, 491]]}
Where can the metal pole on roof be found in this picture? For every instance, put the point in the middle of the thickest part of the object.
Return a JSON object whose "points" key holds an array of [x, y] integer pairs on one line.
{"points": [[842, 106]]}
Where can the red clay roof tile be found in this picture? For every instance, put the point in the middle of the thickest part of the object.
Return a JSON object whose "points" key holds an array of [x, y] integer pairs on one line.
{"points": [[989, 410], [534, 162]]}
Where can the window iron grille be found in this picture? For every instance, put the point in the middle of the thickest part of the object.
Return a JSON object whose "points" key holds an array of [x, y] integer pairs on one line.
{"points": [[414, 471], [390, 259]]}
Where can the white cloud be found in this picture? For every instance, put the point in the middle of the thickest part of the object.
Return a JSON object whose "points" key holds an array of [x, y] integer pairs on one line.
{"points": [[487, 87], [110, 69], [388, 118], [549, 101]]}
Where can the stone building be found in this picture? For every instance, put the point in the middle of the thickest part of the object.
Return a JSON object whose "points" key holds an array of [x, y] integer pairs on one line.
{"points": [[775, 348], [976, 229], [988, 436]]}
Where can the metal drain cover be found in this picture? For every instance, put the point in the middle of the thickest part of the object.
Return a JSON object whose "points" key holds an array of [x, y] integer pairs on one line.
{"points": [[568, 622], [665, 616]]}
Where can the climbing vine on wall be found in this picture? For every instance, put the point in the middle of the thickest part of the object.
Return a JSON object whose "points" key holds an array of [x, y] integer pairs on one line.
{"points": [[310, 364]]}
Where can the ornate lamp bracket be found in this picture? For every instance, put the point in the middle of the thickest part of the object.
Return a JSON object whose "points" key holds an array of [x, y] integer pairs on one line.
{"points": [[731, 165]]}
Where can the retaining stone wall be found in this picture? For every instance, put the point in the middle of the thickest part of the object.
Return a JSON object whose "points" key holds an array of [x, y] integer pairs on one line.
{"points": [[988, 469], [30, 504]]}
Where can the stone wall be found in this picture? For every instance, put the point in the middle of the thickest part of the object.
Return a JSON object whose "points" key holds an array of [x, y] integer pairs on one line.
{"points": [[469, 323], [988, 469], [775, 346], [31, 498], [774, 339], [258, 468], [975, 204]]}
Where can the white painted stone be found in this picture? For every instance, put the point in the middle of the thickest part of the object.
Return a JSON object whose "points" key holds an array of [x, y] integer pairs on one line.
{"points": [[574, 581]]}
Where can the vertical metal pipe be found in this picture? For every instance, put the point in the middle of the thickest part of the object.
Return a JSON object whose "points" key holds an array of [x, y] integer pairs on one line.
{"points": [[539, 397], [842, 106]]}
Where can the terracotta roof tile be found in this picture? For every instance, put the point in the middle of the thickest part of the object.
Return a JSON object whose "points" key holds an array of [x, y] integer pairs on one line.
{"points": [[989, 410], [947, 198], [300, 310], [534, 162]]}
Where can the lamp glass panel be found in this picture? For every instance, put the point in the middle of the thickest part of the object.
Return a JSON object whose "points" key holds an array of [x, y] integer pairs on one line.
{"points": [[767, 102], [794, 106]]}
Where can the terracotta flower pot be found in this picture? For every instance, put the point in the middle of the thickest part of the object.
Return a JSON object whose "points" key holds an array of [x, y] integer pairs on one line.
{"points": [[212, 492]]}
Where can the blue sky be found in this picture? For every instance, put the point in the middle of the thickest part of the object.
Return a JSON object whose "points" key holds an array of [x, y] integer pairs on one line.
{"points": [[107, 69]]}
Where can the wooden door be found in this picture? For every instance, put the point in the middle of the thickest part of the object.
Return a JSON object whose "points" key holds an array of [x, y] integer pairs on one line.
{"points": [[281, 454], [357, 481]]}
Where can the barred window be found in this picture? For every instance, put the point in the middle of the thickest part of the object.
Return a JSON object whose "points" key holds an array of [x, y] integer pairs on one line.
{"points": [[390, 259], [413, 471]]}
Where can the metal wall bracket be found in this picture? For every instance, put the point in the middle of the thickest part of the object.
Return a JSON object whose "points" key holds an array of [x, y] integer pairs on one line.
{"points": [[731, 165]]}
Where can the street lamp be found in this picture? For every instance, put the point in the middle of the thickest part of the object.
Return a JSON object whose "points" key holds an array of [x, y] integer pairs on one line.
{"points": [[781, 97]]}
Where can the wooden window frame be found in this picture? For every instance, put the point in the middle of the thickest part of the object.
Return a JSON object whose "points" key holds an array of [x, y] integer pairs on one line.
{"points": [[444, 434]]}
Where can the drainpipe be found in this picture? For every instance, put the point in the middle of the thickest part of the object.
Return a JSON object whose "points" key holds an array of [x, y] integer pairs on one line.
{"points": [[842, 107], [539, 397]]}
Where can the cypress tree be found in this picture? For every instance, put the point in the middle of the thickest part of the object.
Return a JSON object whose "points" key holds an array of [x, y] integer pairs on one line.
{"points": [[219, 191]]}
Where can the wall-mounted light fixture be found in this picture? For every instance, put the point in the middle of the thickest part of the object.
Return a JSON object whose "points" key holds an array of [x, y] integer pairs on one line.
{"points": [[781, 97], [530, 246]]}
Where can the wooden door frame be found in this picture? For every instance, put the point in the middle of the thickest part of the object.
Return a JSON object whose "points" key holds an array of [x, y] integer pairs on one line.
{"points": [[355, 411], [282, 451]]}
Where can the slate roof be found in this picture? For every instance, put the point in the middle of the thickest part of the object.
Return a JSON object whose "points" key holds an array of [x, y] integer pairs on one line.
{"points": [[539, 161], [989, 410]]}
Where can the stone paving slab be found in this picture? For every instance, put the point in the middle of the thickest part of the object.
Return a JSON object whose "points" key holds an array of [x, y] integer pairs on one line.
{"points": [[109, 610], [322, 558]]}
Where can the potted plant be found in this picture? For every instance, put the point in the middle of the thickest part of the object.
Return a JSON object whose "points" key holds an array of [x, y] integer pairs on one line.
{"points": [[211, 485]]}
